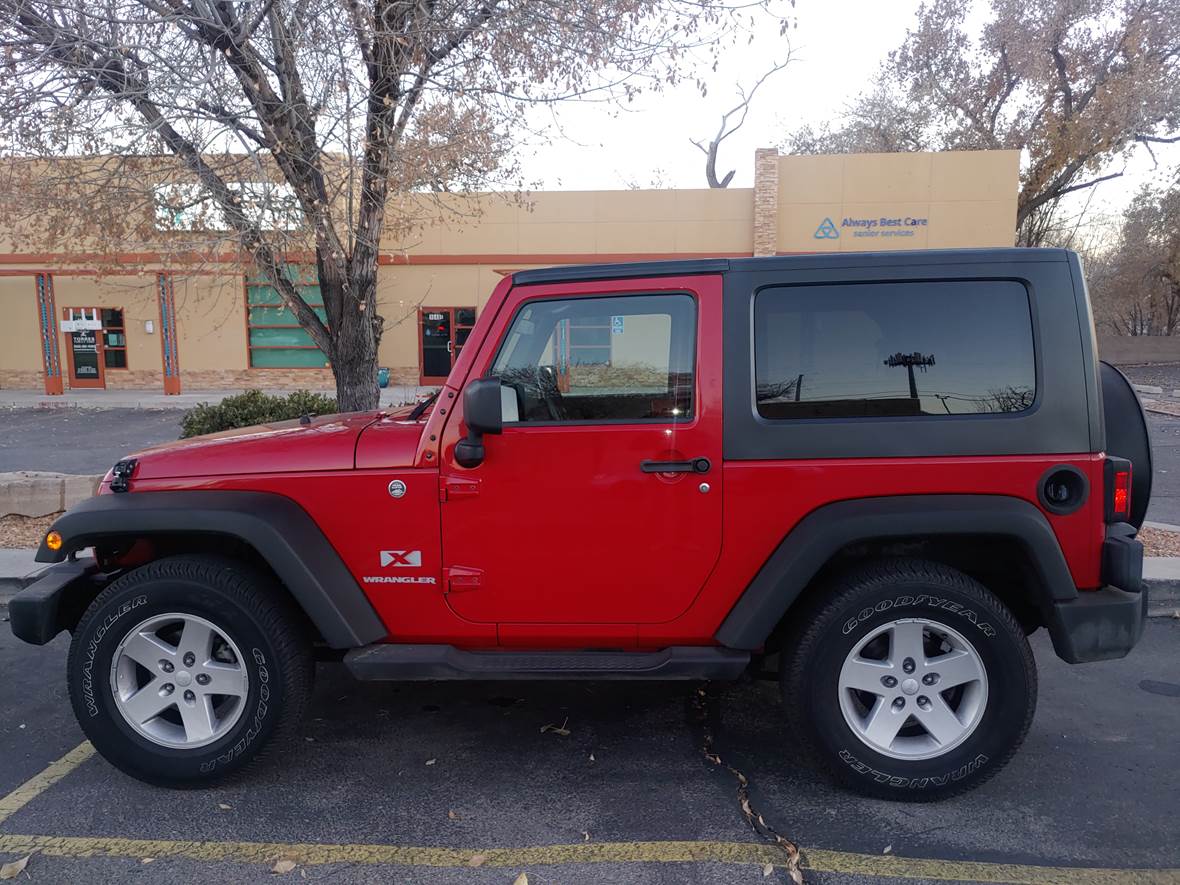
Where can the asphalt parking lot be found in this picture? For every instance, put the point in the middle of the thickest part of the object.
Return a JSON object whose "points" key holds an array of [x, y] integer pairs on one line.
{"points": [[418, 782], [83, 441]]}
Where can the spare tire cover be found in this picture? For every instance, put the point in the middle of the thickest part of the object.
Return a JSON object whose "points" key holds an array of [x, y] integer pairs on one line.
{"points": [[1127, 435]]}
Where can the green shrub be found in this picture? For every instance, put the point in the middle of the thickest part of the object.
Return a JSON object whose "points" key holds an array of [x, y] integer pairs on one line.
{"points": [[253, 407]]}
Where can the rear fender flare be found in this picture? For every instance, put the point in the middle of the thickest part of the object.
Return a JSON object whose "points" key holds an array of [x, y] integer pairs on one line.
{"points": [[821, 534]]}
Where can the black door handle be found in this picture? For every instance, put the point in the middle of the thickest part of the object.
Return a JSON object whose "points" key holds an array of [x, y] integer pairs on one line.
{"points": [[696, 465]]}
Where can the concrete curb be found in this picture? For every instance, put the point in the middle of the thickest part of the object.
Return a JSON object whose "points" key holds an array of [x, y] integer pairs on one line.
{"points": [[31, 493]]}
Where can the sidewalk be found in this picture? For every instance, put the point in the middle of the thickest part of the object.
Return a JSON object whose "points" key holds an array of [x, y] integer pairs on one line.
{"points": [[17, 568], [394, 395]]}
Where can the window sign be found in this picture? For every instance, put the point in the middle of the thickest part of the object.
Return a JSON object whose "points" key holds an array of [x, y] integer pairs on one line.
{"points": [[84, 344], [88, 322]]}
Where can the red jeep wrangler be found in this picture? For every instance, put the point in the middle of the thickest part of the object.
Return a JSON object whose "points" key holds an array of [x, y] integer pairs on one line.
{"points": [[877, 472]]}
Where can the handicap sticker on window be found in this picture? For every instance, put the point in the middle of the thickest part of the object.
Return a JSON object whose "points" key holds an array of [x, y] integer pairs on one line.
{"points": [[616, 325]]}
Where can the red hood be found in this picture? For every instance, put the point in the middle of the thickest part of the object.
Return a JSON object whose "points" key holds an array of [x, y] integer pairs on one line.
{"points": [[327, 443]]}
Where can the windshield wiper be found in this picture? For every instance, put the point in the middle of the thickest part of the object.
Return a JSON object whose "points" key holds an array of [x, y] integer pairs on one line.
{"points": [[424, 405]]}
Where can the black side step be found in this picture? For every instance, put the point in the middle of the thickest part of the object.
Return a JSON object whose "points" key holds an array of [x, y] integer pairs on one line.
{"points": [[435, 662]]}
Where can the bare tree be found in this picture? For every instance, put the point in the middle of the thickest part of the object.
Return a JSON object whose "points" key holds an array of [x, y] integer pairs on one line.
{"points": [[304, 128], [731, 121], [1136, 284], [1077, 86]]}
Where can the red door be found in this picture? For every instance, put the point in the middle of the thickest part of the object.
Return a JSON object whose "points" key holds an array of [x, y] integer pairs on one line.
{"points": [[84, 347], [575, 515]]}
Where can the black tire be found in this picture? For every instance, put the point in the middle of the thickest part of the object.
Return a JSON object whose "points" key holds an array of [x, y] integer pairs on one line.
{"points": [[244, 604], [863, 601]]}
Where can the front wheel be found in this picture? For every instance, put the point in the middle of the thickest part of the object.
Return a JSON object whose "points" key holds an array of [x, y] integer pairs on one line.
{"points": [[184, 669], [910, 681]]}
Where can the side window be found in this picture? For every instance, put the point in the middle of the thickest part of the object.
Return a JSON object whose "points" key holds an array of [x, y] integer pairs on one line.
{"points": [[893, 349], [616, 358]]}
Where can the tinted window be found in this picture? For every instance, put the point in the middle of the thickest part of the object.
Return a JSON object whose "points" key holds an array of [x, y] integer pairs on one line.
{"points": [[618, 358], [893, 349]]}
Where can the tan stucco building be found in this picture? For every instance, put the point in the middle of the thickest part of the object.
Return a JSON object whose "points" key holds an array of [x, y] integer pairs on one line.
{"points": [[141, 320]]}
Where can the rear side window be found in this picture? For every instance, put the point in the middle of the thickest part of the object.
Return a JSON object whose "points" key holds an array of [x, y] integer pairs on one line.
{"points": [[893, 350]]}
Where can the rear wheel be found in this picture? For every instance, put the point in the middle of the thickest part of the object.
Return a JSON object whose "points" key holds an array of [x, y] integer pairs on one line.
{"points": [[183, 670], [910, 681]]}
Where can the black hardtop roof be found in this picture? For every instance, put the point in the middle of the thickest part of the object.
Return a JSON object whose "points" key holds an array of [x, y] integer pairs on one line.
{"points": [[695, 266]]}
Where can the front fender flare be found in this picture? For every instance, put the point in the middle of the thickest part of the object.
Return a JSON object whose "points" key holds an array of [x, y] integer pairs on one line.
{"points": [[281, 531], [828, 529]]}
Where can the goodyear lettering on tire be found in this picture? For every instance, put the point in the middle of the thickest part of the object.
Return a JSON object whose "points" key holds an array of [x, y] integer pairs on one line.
{"points": [[922, 599]]}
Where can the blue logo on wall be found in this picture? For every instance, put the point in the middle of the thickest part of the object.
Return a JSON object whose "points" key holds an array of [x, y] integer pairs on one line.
{"points": [[827, 231]]}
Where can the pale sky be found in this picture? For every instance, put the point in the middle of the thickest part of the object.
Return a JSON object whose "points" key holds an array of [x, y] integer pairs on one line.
{"points": [[837, 48]]}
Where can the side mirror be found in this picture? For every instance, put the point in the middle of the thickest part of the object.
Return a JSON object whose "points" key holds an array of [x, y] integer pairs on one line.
{"points": [[483, 413]]}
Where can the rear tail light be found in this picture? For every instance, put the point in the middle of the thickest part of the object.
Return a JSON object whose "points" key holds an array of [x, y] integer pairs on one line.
{"points": [[1118, 489]]}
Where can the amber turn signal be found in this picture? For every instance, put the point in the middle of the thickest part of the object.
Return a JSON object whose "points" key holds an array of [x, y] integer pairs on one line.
{"points": [[53, 541]]}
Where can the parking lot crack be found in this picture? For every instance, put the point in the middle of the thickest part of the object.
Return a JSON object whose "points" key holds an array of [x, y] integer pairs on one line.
{"points": [[705, 715]]}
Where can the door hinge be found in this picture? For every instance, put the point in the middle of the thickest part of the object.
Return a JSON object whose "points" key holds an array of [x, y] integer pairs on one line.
{"points": [[450, 487], [462, 577]]}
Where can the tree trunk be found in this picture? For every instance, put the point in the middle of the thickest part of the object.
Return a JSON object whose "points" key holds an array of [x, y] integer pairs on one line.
{"points": [[354, 361]]}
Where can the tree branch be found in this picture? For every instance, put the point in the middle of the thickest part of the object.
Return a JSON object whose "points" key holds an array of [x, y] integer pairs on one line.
{"points": [[743, 109]]}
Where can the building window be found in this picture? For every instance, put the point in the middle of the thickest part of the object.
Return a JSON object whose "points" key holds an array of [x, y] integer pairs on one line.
{"points": [[114, 338], [893, 349], [189, 207], [589, 341], [276, 340]]}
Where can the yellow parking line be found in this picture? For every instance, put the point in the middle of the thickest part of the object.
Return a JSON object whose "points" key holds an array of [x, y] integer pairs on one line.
{"points": [[581, 853], [39, 783]]}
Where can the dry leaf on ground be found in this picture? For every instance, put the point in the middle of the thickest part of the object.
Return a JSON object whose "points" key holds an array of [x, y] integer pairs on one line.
{"points": [[477, 860], [224, 806], [431, 761], [15, 868], [522, 879], [767, 869], [452, 815], [283, 866], [557, 729]]}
